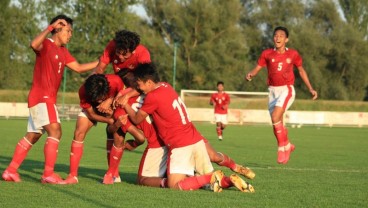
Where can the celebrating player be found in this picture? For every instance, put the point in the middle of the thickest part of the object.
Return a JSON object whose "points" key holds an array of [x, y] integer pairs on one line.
{"points": [[124, 51], [96, 89], [186, 146], [51, 58], [280, 62], [220, 100]]}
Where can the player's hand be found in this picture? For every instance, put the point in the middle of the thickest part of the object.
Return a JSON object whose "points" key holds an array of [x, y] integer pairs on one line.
{"points": [[59, 24], [105, 106], [122, 101], [314, 94], [249, 77]]}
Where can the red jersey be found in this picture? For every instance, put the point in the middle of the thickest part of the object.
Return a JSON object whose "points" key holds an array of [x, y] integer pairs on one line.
{"points": [[146, 126], [48, 72], [170, 117], [115, 85], [140, 55], [280, 66], [220, 100]]}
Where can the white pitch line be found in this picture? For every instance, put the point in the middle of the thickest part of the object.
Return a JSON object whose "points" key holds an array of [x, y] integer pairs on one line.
{"points": [[311, 169]]}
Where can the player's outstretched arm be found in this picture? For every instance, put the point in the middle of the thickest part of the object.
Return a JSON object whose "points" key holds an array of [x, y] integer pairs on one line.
{"points": [[80, 68], [253, 73]]}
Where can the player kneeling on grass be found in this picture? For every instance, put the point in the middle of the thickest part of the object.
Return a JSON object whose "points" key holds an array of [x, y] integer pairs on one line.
{"points": [[186, 146], [97, 90]]}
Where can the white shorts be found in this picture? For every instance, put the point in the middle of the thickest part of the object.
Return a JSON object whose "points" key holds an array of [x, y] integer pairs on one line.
{"points": [[281, 96], [84, 115], [190, 160], [153, 162], [221, 118], [41, 115]]}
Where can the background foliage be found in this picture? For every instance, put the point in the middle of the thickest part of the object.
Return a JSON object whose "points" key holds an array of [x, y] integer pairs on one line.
{"points": [[215, 40]]}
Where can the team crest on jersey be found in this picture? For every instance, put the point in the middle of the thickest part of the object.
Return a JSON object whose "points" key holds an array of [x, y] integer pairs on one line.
{"points": [[288, 60], [272, 60], [115, 61], [56, 56]]}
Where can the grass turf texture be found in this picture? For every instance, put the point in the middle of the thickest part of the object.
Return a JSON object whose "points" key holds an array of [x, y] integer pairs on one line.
{"points": [[328, 169]]}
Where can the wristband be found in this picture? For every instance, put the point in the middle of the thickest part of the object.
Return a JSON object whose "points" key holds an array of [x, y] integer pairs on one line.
{"points": [[50, 28]]}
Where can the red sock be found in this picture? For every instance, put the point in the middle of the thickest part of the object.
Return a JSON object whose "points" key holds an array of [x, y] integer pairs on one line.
{"points": [[280, 133], [115, 157], [227, 162], [194, 182], [50, 151], [20, 153], [226, 182], [76, 153], [219, 131], [109, 143]]}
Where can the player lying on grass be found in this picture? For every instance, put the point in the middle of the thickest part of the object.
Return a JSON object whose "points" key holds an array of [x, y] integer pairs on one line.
{"points": [[153, 165], [97, 89]]}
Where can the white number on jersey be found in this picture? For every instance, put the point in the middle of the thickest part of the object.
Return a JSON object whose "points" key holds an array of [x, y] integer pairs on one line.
{"points": [[279, 66], [179, 104]]}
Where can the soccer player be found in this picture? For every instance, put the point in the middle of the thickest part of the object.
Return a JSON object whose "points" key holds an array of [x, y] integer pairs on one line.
{"points": [[280, 62], [124, 51], [220, 100], [186, 147], [152, 171], [96, 89], [51, 58]]}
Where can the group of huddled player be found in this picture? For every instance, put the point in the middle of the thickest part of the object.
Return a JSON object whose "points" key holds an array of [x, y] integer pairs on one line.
{"points": [[133, 100]]}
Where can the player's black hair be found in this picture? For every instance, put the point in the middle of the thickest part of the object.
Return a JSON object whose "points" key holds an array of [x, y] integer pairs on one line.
{"points": [[97, 87], [61, 16], [126, 41], [283, 29], [127, 76], [220, 83], [147, 71]]}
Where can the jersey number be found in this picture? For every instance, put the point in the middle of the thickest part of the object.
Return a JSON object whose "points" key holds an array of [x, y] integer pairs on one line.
{"points": [[279, 66], [179, 104]]}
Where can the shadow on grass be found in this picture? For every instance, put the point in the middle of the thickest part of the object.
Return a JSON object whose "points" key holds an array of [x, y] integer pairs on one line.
{"points": [[31, 170]]}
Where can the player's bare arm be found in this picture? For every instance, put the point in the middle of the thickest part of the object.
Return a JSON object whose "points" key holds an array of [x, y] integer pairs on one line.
{"points": [[106, 106], [135, 117], [80, 68], [92, 115], [303, 74], [36, 43], [100, 68], [253, 73], [122, 120]]}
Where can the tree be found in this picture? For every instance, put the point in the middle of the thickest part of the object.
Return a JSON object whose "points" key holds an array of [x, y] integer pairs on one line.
{"points": [[16, 27], [211, 45]]}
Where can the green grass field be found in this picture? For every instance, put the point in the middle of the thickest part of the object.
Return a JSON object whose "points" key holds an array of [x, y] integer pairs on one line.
{"points": [[328, 169]]}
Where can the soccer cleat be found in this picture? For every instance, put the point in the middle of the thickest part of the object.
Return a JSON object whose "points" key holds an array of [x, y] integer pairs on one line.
{"points": [[247, 172], [220, 138], [52, 179], [288, 152], [8, 176], [108, 179], [71, 180], [216, 180], [240, 184], [280, 156], [117, 179]]}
